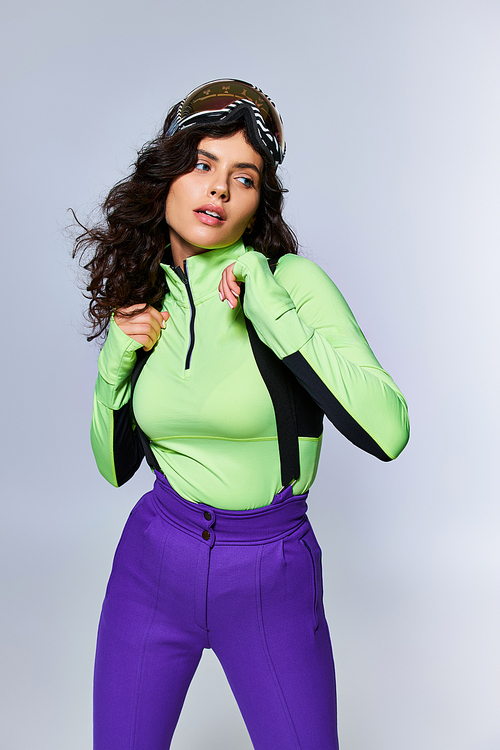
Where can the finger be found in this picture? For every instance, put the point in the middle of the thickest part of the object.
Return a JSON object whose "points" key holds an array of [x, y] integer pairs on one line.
{"points": [[143, 333], [222, 286], [234, 286], [152, 339], [164, 316], [229, 288], [232, 282], [141, 329], [129, 310], [145, 324], [156, 315], [139, 313], [156, 326], [232, 292], [226, 292]]}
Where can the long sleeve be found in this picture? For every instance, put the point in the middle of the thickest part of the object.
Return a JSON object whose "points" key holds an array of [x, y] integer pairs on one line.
{"points": [[111, 422], [300, 314]]}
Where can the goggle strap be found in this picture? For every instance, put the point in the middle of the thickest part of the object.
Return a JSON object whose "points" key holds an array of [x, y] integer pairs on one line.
{"points": [[258, 131]]}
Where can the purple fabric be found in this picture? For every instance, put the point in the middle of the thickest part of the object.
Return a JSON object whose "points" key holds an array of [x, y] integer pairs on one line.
{"points": [[285, 514], [246, 584]]}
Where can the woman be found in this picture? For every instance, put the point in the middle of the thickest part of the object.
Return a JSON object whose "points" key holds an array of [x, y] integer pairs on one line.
{"points": [[228, 411]]}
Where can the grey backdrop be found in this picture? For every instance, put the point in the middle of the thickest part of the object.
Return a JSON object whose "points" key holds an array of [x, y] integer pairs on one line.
{"points": [[392, 116]]}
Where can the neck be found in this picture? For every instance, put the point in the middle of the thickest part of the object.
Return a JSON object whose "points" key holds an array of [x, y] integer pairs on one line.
{"points": [[180, 254], [183, 250]]}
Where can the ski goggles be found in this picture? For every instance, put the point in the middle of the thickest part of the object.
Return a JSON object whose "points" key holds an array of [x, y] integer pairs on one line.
{"points": [[227, 100]]}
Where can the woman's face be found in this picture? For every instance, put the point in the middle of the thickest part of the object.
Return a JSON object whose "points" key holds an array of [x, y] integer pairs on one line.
{"points": [[210, 207]]}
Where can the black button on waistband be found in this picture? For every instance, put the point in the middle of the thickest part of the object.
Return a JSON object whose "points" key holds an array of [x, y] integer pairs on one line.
{"points": [[206, 535], [208, 516]]}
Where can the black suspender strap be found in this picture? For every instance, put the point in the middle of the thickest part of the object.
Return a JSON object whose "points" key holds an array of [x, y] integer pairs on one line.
{"points": [[276, 378]]}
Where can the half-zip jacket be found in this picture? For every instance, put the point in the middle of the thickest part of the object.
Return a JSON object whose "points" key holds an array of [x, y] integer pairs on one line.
{"points": [[202, 401]]}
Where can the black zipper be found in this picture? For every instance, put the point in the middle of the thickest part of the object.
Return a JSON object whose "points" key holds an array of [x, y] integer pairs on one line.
{"points": [[183, 275]]}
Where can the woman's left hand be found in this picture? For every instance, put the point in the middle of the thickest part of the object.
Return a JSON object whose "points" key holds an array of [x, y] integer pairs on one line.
{"points": [[229, 287]]}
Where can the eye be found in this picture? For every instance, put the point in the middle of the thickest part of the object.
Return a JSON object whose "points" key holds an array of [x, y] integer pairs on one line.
{"points": [[202, 166], [246, 181]]}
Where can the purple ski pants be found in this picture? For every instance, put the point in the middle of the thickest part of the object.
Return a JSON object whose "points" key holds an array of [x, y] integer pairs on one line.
{"points": [[246, 584]]}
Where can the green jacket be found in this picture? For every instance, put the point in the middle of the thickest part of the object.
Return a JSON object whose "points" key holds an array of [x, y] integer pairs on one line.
{"points": [[202, 401]]}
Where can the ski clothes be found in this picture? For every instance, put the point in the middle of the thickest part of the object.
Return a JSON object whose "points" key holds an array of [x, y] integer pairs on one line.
{"points": [[221, 555]]}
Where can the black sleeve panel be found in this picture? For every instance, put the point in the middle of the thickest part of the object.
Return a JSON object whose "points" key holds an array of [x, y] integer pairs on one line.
{"points": [[131, 445], [333, 409], [127, 448]]}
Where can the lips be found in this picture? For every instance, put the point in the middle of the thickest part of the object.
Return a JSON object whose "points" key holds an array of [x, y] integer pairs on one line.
{"points": [[211, 214]]}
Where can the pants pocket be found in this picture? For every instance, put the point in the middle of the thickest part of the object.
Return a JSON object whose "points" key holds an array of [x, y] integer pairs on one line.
{"points": [[313, 553]]}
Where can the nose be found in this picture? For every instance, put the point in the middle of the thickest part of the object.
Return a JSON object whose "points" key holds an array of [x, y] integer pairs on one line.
{"points": [[220, 188], [221, 194]]}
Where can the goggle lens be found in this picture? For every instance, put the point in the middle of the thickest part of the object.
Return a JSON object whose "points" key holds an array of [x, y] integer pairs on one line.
{"points": [[216, 95]]}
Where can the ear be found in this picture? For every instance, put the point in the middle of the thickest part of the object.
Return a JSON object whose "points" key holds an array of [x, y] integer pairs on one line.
{"points": [[250, 224]]}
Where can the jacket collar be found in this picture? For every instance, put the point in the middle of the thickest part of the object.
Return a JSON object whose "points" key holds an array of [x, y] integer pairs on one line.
{"points": [[204, 272]]}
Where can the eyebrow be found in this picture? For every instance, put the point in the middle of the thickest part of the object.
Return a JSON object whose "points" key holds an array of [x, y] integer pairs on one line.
{"points": [[241, 165]]}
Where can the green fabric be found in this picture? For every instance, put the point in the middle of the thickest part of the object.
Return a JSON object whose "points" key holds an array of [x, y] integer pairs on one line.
{"points": [[212, 426]]}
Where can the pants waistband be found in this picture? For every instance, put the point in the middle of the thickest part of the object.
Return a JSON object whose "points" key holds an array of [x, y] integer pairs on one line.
{"points": [[210, 525]]}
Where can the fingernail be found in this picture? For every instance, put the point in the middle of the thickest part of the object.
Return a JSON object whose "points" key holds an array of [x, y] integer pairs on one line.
{"points": [[220, 296], [230, 305], [163, 324], [236, 294]]}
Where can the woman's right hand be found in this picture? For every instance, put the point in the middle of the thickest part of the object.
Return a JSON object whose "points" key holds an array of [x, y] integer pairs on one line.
{"points": [[144, 327]]}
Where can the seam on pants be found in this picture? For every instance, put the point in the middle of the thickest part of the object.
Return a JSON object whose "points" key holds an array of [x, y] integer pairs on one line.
{"points": [[147, 631], [272, 669], [201, 587]]}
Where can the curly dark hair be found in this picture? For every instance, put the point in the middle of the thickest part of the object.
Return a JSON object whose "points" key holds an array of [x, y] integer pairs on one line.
{"points": [[122, 253]]}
